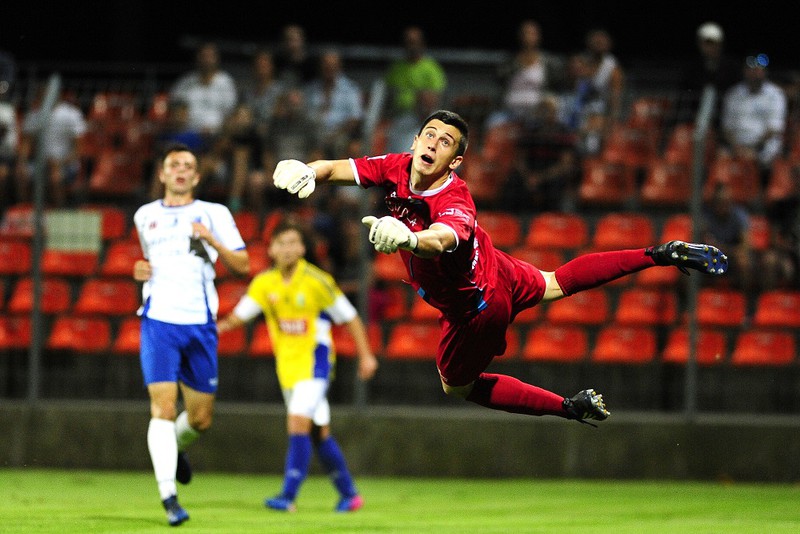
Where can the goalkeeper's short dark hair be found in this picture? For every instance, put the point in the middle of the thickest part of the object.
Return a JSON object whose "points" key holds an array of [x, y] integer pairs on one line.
{"points": [[451, 118]]}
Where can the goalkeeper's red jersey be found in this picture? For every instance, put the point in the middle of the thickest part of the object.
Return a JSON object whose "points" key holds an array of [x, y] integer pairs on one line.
{"points": [[459, 282]]}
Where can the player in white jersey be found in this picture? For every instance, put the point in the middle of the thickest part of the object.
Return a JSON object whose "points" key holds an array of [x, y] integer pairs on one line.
{"points": [[181, 239]]}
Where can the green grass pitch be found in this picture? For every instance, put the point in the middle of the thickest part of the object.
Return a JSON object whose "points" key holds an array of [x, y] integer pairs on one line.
{"points": [[77, 501]]}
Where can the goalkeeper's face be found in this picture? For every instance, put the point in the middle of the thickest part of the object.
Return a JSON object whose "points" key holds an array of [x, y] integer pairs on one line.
{"points": [[435, 150]]}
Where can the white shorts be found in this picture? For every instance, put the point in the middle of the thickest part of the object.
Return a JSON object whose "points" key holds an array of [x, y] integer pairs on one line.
{"points": [[308, 399]]}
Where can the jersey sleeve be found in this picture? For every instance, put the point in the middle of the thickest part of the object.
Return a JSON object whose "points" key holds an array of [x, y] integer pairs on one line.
{"points": [[456, 215], [224, 228], [342, 310], [376, 170]]}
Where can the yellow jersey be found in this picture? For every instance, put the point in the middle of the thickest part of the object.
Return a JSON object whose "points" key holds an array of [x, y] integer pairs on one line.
{"points": [[299, 314]]}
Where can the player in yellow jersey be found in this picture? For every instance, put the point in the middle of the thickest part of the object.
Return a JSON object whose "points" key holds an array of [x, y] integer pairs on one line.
{"points": [[300, 302]]}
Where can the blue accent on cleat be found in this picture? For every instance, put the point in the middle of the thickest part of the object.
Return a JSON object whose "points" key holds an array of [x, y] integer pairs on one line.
{"points": [[183, 473], [280, 503], [175, 512], [707, 259], [350, 504]]}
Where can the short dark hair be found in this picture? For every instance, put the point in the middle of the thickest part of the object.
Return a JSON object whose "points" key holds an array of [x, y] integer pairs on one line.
{"points": [[176, 147], [451, 118], [288, 224]]}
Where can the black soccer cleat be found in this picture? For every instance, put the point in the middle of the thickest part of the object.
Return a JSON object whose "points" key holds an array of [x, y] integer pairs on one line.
{"points": [[698, 256], [175, 512], [587, 404], [183, 473]]}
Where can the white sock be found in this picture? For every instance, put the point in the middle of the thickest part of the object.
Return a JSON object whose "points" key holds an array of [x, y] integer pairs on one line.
{"points": [[184, 432], [164, 454]]}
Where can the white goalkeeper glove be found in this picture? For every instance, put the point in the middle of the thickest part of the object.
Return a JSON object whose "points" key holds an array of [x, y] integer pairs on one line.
{"points": [[388, 234], [295, 177]]}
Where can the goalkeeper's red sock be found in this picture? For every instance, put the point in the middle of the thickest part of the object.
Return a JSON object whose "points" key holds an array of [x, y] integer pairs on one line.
{"points": [[503, 392], [598, 268]]}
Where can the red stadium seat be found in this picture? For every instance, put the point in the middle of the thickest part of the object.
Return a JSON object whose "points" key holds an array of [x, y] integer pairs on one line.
{"points": [[616, 231], [248, 224], [784, 180], [778, 308], [388, 267], [633, 147], [502, 227], [117, 172], [544, 259], [554, 230], [230, 291], [233, 342], [422, 311], [107, 296], [128, 337], [15, 332], [741, 175], [80, 334], [411, 340], [345, 345], [390, 303], [18, 222], [624, 344], [676, 226], [764, 347], [607, 184], [585, 308], [639, 306], [15, 257], [120, 257], [559, 343], [759, 232], [680, 145], [649, 112], [113, 221], [56, 296], [260, 344], [721, 307], [666, 185], [69, 263], [711, 346]]}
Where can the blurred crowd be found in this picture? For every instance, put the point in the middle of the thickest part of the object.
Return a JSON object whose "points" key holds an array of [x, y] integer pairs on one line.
{"points": [[556, 111]]}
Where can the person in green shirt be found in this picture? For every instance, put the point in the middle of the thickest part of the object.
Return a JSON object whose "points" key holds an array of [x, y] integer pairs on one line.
{"points": [[416, 83]]}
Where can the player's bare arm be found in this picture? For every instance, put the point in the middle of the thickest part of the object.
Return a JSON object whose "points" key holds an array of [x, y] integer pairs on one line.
{"points": [[236, 261], [338, 172], [367, 362], [435, 240]]}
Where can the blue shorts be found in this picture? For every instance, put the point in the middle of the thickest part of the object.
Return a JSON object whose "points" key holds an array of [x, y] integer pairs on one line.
{"points": [[180, 353]]}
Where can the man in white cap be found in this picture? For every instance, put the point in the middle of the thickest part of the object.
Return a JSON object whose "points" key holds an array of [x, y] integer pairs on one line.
{"points": [[712, 66]]}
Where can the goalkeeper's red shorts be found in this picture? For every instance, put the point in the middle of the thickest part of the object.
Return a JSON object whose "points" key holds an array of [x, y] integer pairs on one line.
{"points": [[468, 346]]}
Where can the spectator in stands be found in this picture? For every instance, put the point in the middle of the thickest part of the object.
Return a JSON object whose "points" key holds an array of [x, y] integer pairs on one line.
{"points": [[261, 90], [753, 118], [526, 78], [547, 166], [336, 102], [59, 139], [210, 92], [241, 147], [294, 63], [779, 266], [292, 135], [416, 84], [608, 76], [582, 108], [726, 224], [711, 66], [9, 143]]}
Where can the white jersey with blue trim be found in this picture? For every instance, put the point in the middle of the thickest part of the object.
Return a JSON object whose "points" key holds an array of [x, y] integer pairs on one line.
{"points": [[181, 289]]}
